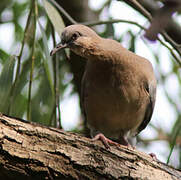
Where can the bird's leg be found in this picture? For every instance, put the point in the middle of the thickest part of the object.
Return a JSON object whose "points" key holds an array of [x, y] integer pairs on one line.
{"points": [[123, 141], [107, 142]]}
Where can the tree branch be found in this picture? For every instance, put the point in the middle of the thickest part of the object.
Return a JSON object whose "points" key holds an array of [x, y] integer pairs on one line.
{"points": [[138, 6], [112, 21], [29, 150], [151, 6]]}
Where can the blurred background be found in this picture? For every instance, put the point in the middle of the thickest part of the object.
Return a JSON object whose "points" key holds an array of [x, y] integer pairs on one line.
{"points": [[44, 89]]}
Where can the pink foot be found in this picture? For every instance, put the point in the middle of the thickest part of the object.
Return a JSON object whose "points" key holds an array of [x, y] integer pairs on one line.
{"points": [[104, 140]]}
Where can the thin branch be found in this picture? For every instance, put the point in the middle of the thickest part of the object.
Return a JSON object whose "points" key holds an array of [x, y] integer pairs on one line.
{"points": [[173, 143], [34, 14], [19, 61], [56, 110], [172, 41], [112, 21], [63, 12], [148, 15], [141, 9], [178, 60]]}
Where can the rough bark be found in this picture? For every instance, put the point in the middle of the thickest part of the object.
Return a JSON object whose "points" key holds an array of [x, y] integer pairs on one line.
{"points": [[32, 151]]}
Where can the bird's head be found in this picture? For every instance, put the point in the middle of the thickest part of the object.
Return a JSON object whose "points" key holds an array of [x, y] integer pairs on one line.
{"points": [[78, 38]]}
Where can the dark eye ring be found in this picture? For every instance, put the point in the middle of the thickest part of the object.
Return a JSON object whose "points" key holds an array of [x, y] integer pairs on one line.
{"points": [[75, 36]]}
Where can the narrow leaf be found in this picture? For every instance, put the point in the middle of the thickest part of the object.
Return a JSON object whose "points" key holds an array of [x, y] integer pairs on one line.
{"points": [[6, 81], [54, 17], [3, 56], [56, 20], [47, 61]]}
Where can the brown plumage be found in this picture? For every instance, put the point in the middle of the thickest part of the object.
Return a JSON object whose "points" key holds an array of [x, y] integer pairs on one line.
{"points": [[118, 86]]}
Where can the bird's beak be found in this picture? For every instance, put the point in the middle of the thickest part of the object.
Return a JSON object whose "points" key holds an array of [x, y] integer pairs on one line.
{"points": [[57, 48]]}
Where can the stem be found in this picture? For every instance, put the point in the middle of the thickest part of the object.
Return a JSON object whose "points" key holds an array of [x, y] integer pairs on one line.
{"points": [[171, 51], [143, 11], [173, 143], [19, 61], [34, 7], [58, 112], [112, 21], [56, 86]]}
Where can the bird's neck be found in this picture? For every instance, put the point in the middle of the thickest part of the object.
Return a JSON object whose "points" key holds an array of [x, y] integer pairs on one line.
{"points": [[106, 50], [101, 49]]}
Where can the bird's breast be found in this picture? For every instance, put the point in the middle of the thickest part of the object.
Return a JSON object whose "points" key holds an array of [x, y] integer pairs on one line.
{"points": [[113, 101]]}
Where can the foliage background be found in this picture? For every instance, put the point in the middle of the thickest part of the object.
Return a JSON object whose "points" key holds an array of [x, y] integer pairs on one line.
{"points": [[33, 85]]}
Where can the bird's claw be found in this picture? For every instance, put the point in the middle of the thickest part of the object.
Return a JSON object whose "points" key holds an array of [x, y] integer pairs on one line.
{"points": [[107, 142]]}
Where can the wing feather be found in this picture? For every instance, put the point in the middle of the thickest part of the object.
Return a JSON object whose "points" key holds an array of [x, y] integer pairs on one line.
{"points": [[151, 89]]}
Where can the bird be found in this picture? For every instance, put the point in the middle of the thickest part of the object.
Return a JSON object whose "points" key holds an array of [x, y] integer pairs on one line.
{"points": [[118, 90]]}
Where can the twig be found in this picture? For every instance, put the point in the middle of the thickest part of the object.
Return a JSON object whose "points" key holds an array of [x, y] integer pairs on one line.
{"points": [[34, 7], [56, 86], [171, 51], [19, 61], [142, 9], [148, 15], [172, 42], [63, 12], [112, 21], [173, 143]]}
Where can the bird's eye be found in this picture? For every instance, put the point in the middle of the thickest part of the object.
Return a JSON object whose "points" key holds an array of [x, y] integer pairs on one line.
{"points": [[75, 36]]}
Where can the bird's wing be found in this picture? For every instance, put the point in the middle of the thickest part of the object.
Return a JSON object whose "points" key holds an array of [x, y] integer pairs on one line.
{"points": [[151, 89]]}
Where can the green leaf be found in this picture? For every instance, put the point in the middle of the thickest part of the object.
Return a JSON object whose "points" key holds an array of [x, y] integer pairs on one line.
{"points": [[42, 102], [3, 56], [54, 17], [19, 32], [19, 106], [22, 78], [4, 5], [6, 81], [175, 134], [132, 41], [56, 20], [47, 61], [18, 9]]}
